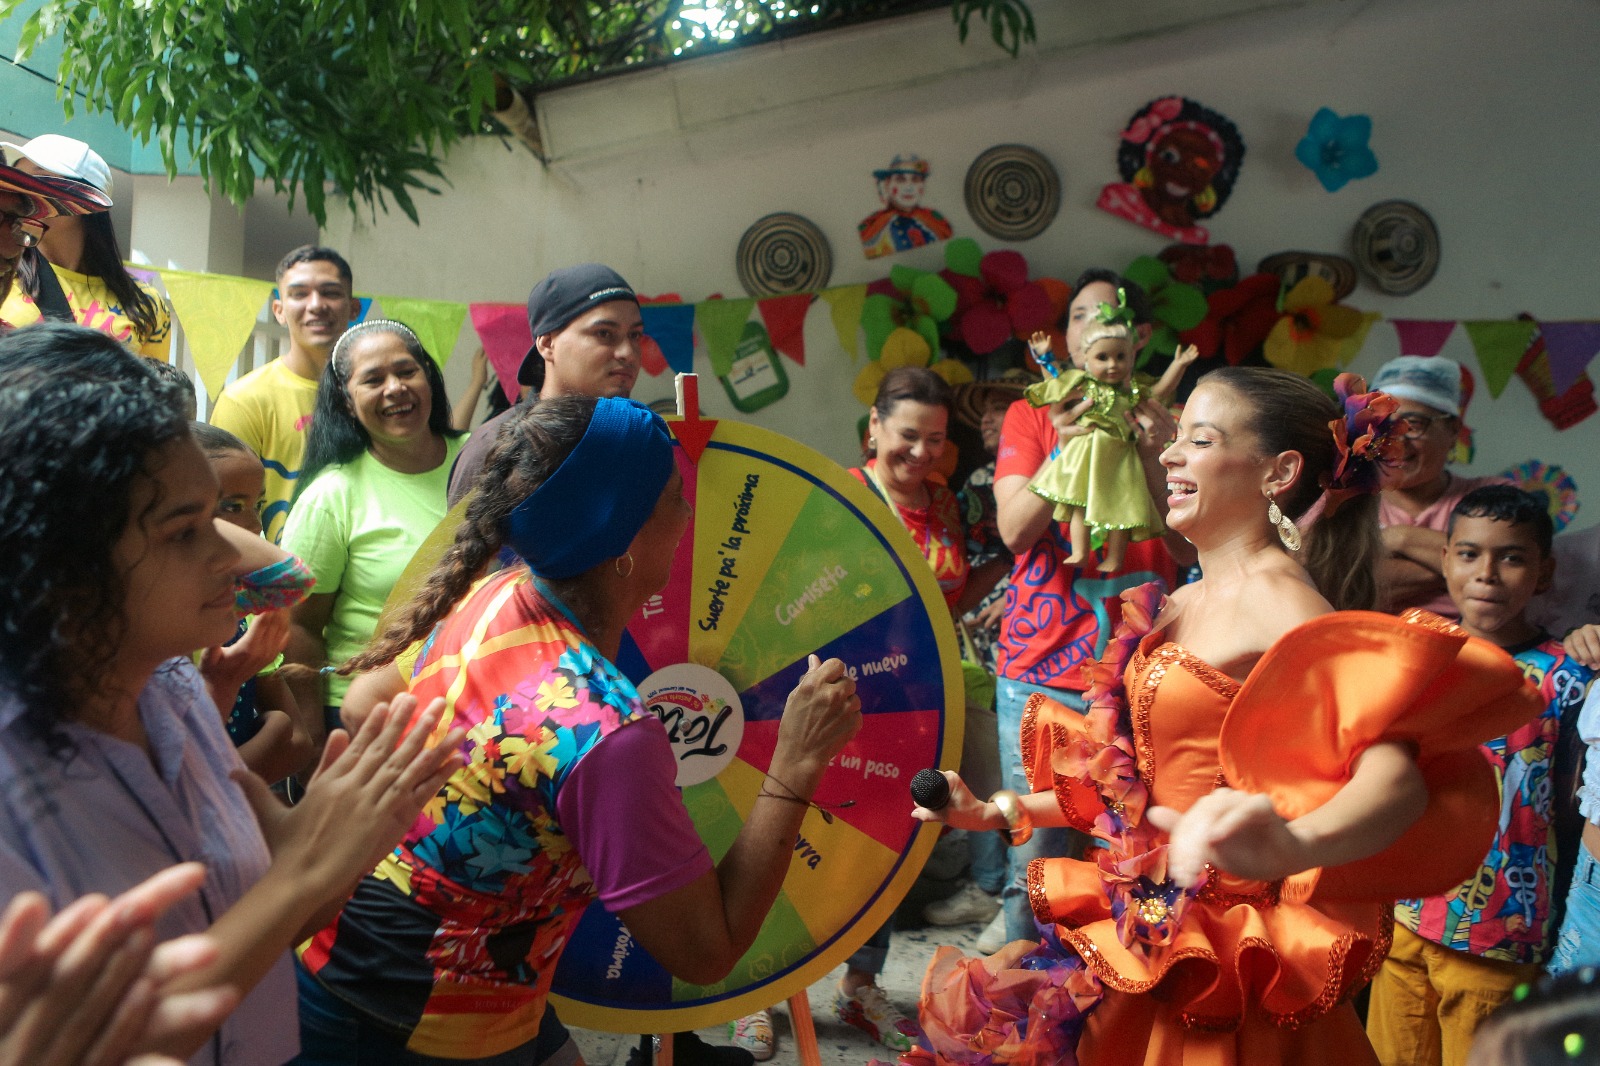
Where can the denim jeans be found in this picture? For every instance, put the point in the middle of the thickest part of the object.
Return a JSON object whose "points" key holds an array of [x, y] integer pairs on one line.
{"points": [[1010, 699], [332, 1033], [1578, 942]]}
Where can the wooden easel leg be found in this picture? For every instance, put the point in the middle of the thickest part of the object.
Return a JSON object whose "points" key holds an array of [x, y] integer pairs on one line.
{"points": [[805, 1034]]}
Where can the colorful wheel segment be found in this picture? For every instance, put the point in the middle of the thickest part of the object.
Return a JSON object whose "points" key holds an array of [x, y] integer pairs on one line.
{"points": [[787, 555], [1559, 489]]}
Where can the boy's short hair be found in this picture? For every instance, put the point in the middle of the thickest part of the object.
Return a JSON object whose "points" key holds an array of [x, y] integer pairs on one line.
{"points": [[1507, 503], [315, 253], [213, 439]]}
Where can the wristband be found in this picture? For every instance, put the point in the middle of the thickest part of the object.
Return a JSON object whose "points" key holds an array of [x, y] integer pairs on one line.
{"points": [[1019, 824]]}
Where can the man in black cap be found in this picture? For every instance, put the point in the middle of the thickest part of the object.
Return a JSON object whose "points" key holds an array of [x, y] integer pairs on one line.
{"points": [[587, 334]]}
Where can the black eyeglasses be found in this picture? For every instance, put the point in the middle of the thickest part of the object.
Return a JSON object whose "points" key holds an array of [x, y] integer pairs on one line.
{"points": [[26, 230], [1414, 426]]}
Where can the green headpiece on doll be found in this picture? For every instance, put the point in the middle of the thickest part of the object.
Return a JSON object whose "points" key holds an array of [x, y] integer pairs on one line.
{"points": [[1119, 315]]}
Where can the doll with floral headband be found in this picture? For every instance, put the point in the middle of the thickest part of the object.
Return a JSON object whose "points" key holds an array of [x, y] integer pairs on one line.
{"points": [[1096, 479]]}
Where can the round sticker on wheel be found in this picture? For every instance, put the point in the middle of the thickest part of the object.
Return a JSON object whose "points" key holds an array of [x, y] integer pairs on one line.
{"points": [[787, 555]]}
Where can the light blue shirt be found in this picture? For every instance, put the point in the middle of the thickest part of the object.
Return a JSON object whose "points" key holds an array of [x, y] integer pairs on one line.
{"points": [[104, 815]]}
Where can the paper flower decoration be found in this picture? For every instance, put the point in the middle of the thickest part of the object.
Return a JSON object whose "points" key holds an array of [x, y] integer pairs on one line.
{"points": [[995, 299], [912, 299], [1314, 332], [1335, 149], [905, 347], [1174, 306], [1209, 267], [1238, 320]]}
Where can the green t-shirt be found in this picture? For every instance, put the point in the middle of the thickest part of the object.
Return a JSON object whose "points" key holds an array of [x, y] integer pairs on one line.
{"points": [[356, 526]]}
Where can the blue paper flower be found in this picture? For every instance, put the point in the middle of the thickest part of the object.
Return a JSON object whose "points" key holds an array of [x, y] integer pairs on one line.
{"points": [[1335, 149]]}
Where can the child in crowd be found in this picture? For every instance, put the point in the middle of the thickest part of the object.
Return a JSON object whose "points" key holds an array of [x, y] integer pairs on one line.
{"points": [[1097, 482], [1459, 956], [262, 720]]}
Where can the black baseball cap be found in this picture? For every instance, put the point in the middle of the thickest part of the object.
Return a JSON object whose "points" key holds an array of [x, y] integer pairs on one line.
{"points": [[561, 297]]}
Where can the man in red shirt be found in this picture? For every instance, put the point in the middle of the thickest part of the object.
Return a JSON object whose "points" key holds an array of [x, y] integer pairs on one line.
{"points": [[1059, 616]]}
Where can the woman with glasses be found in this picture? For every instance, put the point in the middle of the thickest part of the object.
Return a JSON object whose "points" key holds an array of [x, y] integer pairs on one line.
{"points": [[77, 274], [26, 201], [1418, 492]]}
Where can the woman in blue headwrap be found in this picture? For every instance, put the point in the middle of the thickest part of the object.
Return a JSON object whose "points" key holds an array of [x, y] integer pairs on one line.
{"points": [[448, 949]]}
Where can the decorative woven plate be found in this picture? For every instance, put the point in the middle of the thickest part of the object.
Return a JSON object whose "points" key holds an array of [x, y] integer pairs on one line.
{"points": [[1012, 192], [1397, 246], [783, 253]]}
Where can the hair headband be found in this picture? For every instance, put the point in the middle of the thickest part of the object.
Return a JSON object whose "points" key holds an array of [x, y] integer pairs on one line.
{"points": [[598, 499]]}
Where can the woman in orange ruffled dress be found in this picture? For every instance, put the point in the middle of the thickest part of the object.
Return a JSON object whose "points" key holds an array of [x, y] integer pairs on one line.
{"points": [[1265, 762]]}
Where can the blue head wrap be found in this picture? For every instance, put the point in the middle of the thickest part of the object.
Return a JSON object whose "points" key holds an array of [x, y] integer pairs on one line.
{"points": [[598, 499]]}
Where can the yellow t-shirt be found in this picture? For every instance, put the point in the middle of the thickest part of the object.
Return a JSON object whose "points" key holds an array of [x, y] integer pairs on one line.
{"points": [[270, 410], [95, 306]]}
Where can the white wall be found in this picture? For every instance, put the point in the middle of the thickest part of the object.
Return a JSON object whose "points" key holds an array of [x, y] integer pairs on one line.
{"points": [[1483, 113]]}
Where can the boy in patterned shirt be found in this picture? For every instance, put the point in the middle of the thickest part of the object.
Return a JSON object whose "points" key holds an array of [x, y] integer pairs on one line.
{"points": [[1458, 956]]}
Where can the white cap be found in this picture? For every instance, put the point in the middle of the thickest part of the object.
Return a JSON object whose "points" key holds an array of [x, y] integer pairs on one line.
{"points": [[67, 157]]}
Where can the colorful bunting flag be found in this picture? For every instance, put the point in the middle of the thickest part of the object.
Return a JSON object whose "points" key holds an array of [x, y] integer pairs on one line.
{"points": [[721, 323], [785, 318], [845, 303], [437, 323], [506, 337], [1570, 346], [671, 326], [218, 313], [1500, 346], [1421, 336]]}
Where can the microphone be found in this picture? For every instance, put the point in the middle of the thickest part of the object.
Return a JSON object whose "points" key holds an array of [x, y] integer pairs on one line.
{"points": [[930, 789]]}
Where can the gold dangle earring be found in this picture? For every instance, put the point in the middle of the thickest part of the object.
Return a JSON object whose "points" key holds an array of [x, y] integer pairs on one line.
{"points": [[1288, 532], [617, 565]]}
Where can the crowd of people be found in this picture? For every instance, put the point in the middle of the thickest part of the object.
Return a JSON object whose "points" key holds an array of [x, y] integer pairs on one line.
{"points": [[1203, 814]]}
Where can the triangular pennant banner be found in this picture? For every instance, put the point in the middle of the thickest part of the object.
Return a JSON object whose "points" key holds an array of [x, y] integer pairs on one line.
{"points": [[437, 323], [721, 323], [785, 318], [845, 303], [671, 326], [504, 333], [218, 314], [1500, 346], [1570, 346], [1422, 336]]}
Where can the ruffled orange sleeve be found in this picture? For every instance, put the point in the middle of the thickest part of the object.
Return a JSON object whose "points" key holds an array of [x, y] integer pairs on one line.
{"points": [[1342, 682], [1053, 735]]}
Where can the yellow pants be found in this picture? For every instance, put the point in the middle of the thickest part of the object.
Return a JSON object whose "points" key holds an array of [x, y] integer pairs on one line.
{"points": [[1428, 1001]]}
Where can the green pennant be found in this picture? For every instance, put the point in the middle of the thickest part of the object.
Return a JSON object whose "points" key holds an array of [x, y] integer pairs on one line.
{"points": [[1500, 347], [721, 323], [437, 323]]}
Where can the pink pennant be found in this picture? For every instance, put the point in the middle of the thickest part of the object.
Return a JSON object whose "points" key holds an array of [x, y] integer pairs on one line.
{"points": [[785, 318], [1422, 336], [1570, 346], [506, 337]]}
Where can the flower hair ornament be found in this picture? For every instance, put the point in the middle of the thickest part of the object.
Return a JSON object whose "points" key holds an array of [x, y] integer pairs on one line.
{"points": [[1365, 440], [1118, 314]]}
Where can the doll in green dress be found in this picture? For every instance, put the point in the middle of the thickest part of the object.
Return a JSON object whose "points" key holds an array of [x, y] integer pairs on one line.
{"points": [[1096, 479]]}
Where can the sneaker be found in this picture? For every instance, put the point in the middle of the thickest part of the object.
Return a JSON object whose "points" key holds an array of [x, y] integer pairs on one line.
{"points": [[970, 904], [753, 1032], [993, 937], [870, 1011]]}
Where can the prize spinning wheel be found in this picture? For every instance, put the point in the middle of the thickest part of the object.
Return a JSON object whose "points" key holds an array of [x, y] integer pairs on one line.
{"points": [[787, 554]]}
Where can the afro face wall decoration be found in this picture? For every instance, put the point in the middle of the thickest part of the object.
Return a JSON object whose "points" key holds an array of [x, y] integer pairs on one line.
{"points": [[1178, 162]]}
